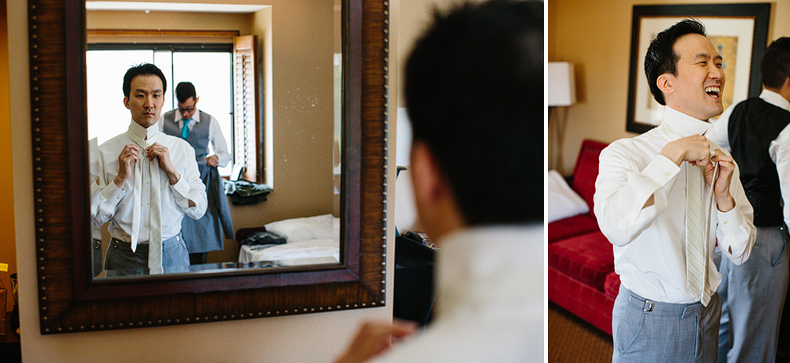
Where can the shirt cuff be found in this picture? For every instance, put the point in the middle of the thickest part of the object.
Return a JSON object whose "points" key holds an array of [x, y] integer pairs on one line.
{"points": [[661, 170], [181, 187], [729, 221], [113, 193]]}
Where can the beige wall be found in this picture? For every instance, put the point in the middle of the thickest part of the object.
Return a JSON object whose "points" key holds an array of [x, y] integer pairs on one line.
{"points": [[7, 246], [596, 36], [302, 338]]}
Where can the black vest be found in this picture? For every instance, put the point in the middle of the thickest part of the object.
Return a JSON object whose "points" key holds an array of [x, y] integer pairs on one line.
{"points": [[753, 124]]}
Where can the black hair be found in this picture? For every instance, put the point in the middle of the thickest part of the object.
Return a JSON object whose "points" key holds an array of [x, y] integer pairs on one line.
{"points": [[142, 69], [661, 57], [775, 65], [185, 90], [474, 94]]}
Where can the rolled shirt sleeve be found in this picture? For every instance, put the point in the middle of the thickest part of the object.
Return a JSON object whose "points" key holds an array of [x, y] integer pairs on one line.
{"points": [[735, 232], [190, 187], [622, 190], [218, 143]]}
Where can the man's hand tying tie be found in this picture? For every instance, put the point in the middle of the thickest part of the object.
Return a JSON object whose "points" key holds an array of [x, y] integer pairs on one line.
{"points": [[162, 154]]}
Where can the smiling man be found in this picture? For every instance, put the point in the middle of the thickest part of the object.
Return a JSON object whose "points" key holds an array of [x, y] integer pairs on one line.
{"points": [[664, 199], [147, 181]]}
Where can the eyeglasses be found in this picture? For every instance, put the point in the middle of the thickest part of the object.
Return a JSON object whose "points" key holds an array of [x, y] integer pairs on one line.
{"points": [[188, 109]]}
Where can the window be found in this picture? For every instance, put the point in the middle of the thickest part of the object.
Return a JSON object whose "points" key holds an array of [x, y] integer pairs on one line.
{"points": [[208, 66]]}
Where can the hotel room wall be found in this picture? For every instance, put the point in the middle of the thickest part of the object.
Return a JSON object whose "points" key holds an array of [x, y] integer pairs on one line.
{"points": [[7, 247], [596, 37]]}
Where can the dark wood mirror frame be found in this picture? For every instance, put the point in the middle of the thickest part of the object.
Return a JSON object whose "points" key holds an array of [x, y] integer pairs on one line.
{"points": [[70, 300]]}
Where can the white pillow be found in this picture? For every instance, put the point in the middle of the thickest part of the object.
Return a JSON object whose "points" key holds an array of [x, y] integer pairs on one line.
{"points": [[306, 228], [563, 201]]}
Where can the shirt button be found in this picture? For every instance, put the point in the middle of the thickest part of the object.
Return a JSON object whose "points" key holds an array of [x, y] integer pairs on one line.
{"points": [[725, 222], [666, 173]]}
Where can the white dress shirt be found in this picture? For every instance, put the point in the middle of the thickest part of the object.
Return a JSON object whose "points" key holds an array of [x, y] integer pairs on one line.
{"points": [[490, 299], [779, 149], [215, 137], [649, 243], [114, 205]]}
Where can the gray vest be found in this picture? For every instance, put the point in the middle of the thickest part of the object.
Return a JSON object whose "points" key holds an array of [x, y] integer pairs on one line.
{"points": [[198, 136], [209, 232]]}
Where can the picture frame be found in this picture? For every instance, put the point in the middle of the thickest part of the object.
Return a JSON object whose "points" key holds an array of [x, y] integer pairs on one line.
{"points": [[738, 31]]}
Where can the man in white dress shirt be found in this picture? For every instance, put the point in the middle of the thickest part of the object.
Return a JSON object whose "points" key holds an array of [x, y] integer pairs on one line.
{"points": [[474, 91], [181, 191], [640, 201], [756, 133]]}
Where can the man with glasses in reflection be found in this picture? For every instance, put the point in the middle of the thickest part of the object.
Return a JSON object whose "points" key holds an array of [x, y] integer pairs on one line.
{"points": [[147, 182], [203, 133]]}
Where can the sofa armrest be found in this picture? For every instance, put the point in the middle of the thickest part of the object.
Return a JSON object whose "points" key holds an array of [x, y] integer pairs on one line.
{"points": [[586, 170]]}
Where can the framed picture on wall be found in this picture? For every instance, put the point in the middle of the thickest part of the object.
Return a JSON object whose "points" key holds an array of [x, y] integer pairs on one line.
{"points": [[738, 31]]}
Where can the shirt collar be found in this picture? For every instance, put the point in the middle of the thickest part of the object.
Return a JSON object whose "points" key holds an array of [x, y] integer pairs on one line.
{"points": [[473, 261], [775, 99], [683, 124], [143, 133]]}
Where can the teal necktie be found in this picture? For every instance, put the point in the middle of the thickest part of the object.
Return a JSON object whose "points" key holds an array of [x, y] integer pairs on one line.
{"points": [[185, 129]]}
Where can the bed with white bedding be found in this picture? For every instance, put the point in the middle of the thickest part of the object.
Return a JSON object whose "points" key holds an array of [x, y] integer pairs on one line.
{"points": [[307, 240]]}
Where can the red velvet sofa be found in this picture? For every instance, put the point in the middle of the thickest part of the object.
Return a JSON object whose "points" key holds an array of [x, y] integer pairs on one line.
{"points": [[581, 273]]}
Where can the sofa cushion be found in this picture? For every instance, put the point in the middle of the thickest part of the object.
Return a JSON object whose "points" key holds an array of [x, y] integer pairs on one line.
{"points": [[586, 170], [573, 226], [565, 202], [588, 258], [612, 284]]}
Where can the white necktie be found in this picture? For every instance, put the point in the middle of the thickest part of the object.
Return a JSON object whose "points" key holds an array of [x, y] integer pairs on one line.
{"points": [[697, 231], [154, 210]]}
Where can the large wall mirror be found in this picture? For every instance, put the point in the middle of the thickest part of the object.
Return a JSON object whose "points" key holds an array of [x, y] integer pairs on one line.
{"points": [[71, 299], [281, 55]]}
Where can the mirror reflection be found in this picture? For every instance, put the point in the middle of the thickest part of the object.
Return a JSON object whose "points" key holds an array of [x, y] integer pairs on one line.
{"points": [[263, 123]]}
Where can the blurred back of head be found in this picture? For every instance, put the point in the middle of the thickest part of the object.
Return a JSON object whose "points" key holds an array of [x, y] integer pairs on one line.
{"points": [[474, 93]]}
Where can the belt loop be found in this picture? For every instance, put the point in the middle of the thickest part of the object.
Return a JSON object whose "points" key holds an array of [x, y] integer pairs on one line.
{"points": [[647, 305]]}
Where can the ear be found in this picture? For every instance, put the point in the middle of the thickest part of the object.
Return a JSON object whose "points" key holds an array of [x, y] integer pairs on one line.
{"points": [[784, 90], [665, 83], [126, 102], [196, 100], [426, 177]]}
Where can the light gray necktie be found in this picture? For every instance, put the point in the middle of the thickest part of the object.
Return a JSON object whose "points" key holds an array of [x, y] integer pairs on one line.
{"points": [[154, 209], [697, 231]]}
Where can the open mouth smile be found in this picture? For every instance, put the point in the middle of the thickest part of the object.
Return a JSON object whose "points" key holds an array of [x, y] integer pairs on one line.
{"points": [[714, 92]]}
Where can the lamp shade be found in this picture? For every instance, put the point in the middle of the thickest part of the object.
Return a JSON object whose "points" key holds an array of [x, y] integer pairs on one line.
{"points": [[562, 90]]}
